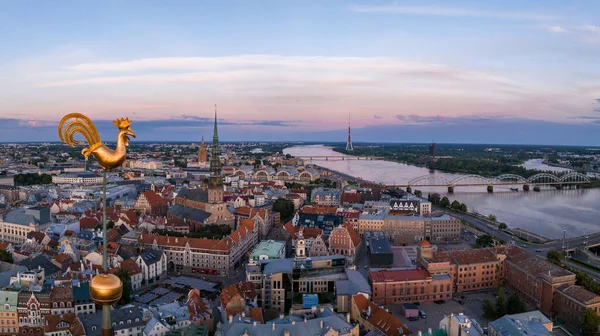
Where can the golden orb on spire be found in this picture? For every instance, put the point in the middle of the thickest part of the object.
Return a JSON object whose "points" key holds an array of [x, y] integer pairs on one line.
{"points": [[106, 289]]}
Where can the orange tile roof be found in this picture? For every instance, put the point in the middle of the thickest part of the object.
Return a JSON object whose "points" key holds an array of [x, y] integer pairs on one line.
{"points": [[63, 258], [197, 307], [72, 324], [355, 238], [241, 290], [380, 319], [256, 314], [154, 199], [246, 226], [131, 266]]}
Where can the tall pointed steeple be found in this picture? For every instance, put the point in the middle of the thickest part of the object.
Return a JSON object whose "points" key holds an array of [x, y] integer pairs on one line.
{"points": [[215, 183]]}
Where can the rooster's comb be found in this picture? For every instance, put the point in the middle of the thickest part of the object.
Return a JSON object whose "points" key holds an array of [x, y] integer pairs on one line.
{"points": [[122, 123]]}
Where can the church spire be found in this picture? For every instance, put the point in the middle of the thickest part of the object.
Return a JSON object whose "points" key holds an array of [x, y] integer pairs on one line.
{"points": [[215, 161], [215, 132]]}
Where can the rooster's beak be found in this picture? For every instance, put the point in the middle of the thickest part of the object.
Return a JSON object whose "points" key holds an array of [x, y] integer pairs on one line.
{"points": [[130, 132]]}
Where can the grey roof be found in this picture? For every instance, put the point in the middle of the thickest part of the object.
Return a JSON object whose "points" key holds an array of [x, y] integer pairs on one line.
{"points": [[274, 266], [81, 293], [508, 325], [151, 256], [194, 214], [8, 270], [379, 246], [126, 315], [40, 261], [85, 234], [196, 195], [356, 283], [19, 216], [444, 276], [239, 326]]}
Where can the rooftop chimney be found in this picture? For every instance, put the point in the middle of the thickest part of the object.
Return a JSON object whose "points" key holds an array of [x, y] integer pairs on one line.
{"points": [[321, 324], [281, 316], [348, 318], [273, 326], [230, 318]]}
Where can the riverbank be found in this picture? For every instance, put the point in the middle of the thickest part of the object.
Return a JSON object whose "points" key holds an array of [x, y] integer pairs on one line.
{"points": [[545, 213]]}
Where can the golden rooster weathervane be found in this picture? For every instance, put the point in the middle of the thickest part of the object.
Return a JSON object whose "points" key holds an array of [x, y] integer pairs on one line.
{"points": [[105, 289], [79, 123]]}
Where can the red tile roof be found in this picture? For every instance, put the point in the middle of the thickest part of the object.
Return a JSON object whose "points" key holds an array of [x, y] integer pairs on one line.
{"points": [[88, 223], [399, 275], [154, 199], [131, 266], [380, 319], [240, 290]]}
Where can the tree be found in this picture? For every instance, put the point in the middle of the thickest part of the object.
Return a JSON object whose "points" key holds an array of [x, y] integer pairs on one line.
{"points": [[434, 198], [257, 163], [502, 226], [484, 241], [123, 274], [110, 224], [285, 209], [514, 304], [418, 193], [555, 257], [500, 306], [444, 202], [455, 205], [488, 309], [589, 323], [6, 257], [463, 207], [288, 156], [492, 217]]}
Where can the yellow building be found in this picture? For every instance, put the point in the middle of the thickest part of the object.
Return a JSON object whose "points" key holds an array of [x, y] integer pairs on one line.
{"points": [[9, 318]]}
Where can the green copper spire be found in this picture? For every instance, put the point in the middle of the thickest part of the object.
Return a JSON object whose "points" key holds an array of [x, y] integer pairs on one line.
{"points": [[215, 132], [215, 161]]}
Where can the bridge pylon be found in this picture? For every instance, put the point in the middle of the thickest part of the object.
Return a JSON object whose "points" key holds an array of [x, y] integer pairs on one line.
{"points": [[490, 188], [450, 189], [526, 187]]}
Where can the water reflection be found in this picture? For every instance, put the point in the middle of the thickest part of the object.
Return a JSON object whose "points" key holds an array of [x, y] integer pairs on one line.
{"points": [[547, 213]]}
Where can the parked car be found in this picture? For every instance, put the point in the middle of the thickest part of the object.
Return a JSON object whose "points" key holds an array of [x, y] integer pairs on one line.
{"points": [[413, 318], [422, 314]]}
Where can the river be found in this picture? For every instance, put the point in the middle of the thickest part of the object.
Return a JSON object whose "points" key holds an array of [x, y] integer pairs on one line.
{"points": [[546, 213]]}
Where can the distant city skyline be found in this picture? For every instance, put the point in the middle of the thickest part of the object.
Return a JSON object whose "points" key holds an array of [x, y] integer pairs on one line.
{"points": [[407, 71]]}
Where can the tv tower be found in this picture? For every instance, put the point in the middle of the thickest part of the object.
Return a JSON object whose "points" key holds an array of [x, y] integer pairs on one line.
{"points": [[349, 143]]}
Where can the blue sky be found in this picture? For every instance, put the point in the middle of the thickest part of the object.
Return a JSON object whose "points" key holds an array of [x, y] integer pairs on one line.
{"points": [[289, 70]]}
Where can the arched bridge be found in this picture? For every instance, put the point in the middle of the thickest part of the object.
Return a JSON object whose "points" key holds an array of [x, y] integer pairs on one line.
{"points": [[502, 180], [337, 157]]}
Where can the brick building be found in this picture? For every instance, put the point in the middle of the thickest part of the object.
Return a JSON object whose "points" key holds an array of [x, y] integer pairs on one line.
{"points": [[151, 203], [571, 302], [318, 248], [344, 241], [536, 279], [414, 285], [33, 308], [470, 269]]}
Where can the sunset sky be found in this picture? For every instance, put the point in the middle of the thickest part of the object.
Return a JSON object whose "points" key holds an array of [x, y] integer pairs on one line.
{"points": [[406, 71]]}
